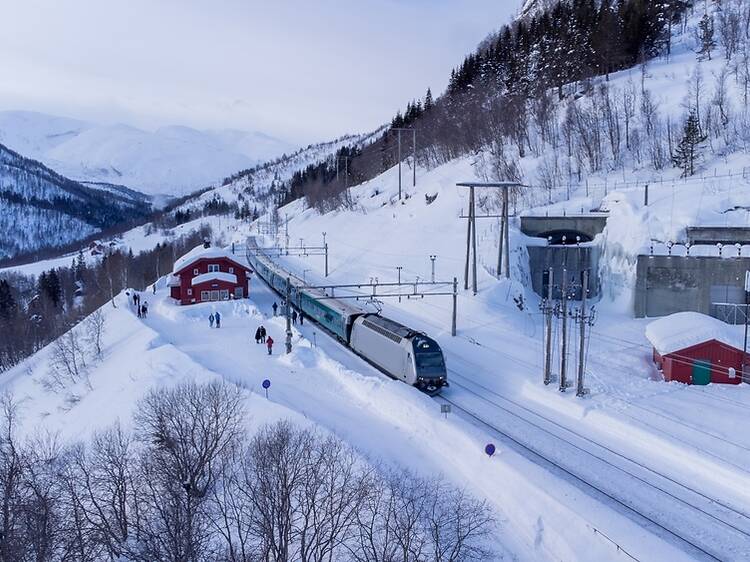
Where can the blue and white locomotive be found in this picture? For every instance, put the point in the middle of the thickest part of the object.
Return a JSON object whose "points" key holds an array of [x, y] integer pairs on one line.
{"points": [[398, 351]]}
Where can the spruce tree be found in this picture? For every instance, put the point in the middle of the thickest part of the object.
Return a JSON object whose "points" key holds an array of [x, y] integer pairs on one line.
{"points": [[428, 101], [687, 151], [7, 302], [706, 36]]}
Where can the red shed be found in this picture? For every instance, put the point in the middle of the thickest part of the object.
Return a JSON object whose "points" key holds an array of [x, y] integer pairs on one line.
{"points": [[693, 348], [206, 273]]}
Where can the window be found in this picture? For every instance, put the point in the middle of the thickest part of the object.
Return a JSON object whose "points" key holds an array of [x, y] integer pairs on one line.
{"points": [[204, 295], [213, 268], [238, 293], [224, 294], [195, 271], [231, 270], [190, 292]]}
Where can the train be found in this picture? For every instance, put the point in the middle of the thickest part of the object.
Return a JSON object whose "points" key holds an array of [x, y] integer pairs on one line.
{"points": [[398, 351]]}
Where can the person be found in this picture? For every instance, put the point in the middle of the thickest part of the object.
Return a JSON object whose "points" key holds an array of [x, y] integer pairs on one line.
{"points": [[135, 298], [138, 310], [218, 319], [257, 335], [144, 308], [211, 321], [301, 318], [275, 307], [294, 316], [263, 334], [269, 344]]}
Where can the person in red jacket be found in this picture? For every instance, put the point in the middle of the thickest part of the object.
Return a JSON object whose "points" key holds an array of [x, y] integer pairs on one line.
{"points": [[269, 344]]}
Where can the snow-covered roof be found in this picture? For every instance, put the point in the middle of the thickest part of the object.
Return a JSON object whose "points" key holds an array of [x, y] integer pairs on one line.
{"points": [[201, 253], [686, 329], [214, 276], [173, 280]]}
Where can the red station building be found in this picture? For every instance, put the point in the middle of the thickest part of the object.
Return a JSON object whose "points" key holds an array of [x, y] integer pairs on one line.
{"points": [[693, 348], [207, 274]]}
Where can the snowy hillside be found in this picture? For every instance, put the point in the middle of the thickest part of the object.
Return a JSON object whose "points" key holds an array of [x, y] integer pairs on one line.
{"points": [[171, 160], [42, 209]]}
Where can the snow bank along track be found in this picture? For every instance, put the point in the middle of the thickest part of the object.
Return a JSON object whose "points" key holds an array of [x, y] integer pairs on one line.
{"points": [[702, 526]]}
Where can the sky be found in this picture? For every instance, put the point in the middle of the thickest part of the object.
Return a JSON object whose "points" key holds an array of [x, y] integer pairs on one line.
{"points": [[300, 70]]}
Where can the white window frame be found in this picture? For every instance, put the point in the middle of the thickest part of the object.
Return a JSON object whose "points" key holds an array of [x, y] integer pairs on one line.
{"points": [[214, 268], [231, 270], [195, 271], [205, 295], [239, 293], [224, 295], [190, 292]]}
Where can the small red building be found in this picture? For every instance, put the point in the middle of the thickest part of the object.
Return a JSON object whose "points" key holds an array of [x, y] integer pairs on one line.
{"points": [[206, 274], [693, 348]]}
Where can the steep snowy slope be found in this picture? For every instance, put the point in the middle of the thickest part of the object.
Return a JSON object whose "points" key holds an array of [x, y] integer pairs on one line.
{"points": [[171, 160], [41, 208]]}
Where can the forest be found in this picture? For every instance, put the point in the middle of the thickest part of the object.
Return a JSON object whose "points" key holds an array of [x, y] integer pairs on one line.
{"points": [[540, 90], [189, 483]]}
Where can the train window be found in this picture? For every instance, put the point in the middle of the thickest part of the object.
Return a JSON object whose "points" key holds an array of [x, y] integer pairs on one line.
{"points": [[430, 361]]}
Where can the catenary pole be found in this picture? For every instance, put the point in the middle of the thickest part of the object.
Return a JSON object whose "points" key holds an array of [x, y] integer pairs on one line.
{"points": [[455, 305], [473, 242], [563, 345], [288, 306], [468, 241], [548, 332], [506, 255], [583, 317]]}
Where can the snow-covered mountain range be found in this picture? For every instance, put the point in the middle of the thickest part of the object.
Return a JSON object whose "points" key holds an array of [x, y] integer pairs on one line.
{"points": [[171, 160], [43, 209]]}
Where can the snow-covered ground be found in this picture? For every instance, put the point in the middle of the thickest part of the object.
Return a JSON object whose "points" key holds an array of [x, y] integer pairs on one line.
{"points": [[685, 439], [541, 515]]}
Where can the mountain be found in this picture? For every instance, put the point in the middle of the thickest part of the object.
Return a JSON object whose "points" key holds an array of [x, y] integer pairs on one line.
{"points": [[43, 209], [171, 160]]}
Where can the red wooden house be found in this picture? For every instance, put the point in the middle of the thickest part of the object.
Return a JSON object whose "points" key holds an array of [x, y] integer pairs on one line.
{"points": [[206, 274], [693, 348]]}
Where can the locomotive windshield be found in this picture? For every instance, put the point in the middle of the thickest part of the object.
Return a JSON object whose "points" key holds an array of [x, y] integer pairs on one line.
{"points": [[428, 358]]}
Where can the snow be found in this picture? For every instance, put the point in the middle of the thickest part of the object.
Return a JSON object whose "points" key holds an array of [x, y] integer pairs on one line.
{"points": [[214, 276], [203, 253], [686, 329], [171, 160]]}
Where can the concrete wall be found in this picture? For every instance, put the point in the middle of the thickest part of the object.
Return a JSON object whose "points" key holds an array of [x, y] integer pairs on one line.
{"points": [[715, 234], [668, 284], [574, 259], [590, 225]]}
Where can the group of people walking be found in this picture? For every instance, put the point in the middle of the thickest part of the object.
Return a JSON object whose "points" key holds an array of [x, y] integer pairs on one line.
{"points": [[262, 337], [214, 318], [140, 309], [295, 315]]}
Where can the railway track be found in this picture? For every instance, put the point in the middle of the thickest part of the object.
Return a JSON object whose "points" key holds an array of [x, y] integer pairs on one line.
{"points": [[703, 527]]}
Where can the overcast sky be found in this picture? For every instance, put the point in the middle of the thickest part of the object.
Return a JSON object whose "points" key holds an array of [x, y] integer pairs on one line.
{"points": [[300, 70]]}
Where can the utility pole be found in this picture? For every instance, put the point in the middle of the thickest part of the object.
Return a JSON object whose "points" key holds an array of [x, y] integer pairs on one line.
{"points": [[474, 242], [468, 240], [564, 343], [399, 164], [433, 258], [399, 268], [287, 304], [325, 249], [583, 319], [455, 306], [286, 232], [645, 196], [505, 234], [548, 308], [414, 157]]}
